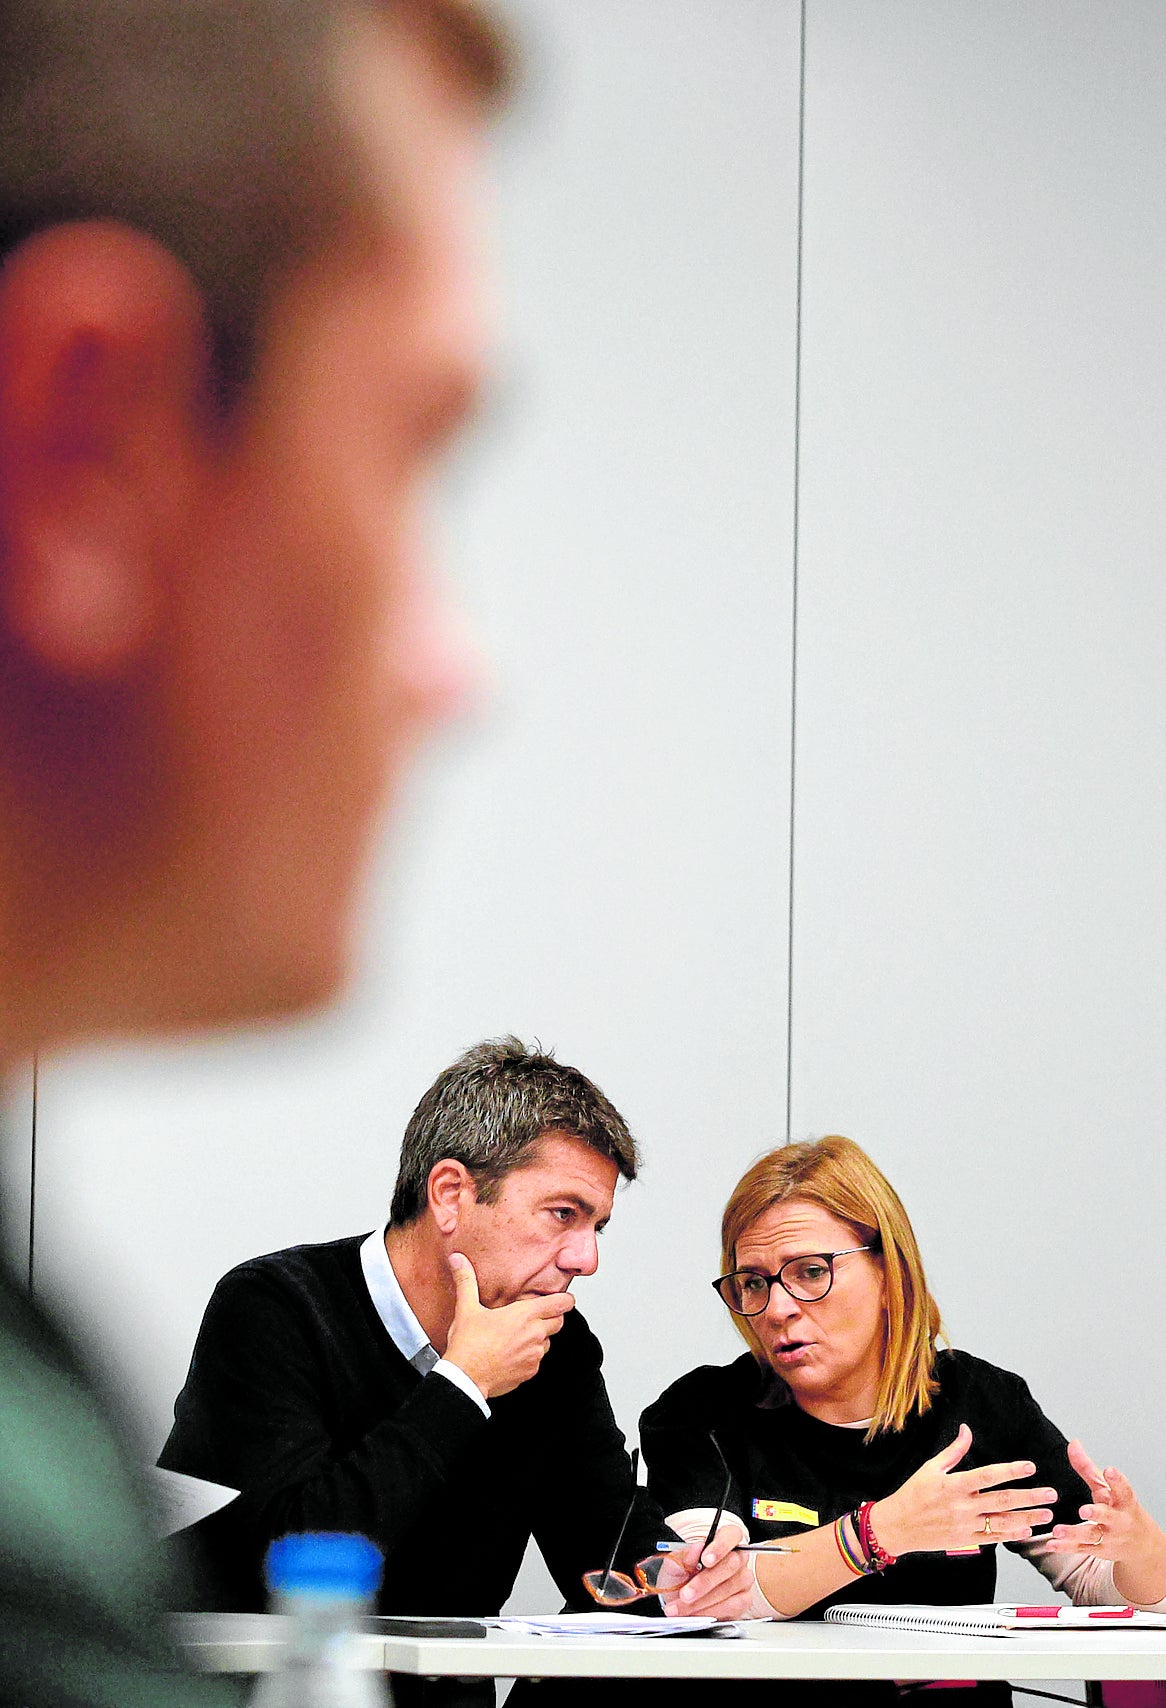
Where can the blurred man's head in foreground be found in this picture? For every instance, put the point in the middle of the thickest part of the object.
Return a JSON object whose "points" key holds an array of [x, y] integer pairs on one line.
{"points": [[238, 322]]}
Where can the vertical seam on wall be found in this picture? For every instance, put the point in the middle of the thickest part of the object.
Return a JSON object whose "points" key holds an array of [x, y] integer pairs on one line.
{"points": [[793, 691]]}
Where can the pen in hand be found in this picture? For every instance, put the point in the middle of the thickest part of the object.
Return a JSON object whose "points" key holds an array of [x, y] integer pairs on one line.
{"points": [[741, 1548]]}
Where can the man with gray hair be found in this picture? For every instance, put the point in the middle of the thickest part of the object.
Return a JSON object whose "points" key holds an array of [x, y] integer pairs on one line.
{"points": [[430, 1384]]}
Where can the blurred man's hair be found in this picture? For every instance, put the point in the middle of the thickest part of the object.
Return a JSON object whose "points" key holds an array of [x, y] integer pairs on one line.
{"points": [[491, 1109], [211, 125]]}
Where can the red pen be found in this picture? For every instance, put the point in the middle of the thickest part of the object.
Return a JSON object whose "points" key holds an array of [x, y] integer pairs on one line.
{"points": [[1063, 1612]]}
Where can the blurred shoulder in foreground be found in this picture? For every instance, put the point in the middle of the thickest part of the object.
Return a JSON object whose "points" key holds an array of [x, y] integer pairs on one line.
{"points": [[237, 324]]}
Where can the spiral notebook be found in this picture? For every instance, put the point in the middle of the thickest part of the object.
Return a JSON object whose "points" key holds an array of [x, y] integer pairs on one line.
{"points": [[988, 1620]]}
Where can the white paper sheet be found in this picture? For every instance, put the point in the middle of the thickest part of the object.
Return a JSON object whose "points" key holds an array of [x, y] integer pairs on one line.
{"points": [[181, 1500], [610, 1625]]}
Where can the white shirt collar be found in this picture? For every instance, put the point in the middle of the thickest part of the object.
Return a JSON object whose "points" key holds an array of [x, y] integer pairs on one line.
{"points": [[389, 1301]]}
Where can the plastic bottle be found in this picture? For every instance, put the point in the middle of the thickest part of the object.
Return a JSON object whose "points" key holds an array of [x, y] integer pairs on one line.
{"points": [[323, 1582]]}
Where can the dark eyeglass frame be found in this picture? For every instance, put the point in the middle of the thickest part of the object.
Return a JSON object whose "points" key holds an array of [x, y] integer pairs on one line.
{"points": [[721, 1283], [598, 1592]]}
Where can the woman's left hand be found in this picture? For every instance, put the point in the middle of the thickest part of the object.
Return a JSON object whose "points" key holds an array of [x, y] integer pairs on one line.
{"points": [[1115, 1526]]}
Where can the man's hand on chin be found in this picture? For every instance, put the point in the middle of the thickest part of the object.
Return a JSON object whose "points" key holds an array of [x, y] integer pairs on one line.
{"points": [[722, 1590], [499, 1349]]}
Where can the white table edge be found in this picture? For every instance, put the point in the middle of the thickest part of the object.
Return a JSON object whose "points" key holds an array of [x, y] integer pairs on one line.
{"points": [[247, 1644]]}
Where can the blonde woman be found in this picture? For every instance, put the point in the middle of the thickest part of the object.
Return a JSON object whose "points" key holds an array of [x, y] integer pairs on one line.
{"points": [[899, 1467]]}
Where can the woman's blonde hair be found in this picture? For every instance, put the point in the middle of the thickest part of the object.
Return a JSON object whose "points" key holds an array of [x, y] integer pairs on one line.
{"points": [[838, 1175]]}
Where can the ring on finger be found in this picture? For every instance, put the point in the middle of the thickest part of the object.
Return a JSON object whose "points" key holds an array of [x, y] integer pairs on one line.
{"points": [[987, 1524]]}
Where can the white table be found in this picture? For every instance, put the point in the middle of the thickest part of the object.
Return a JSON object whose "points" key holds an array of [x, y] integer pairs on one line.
{"points": [[250, 1642]]}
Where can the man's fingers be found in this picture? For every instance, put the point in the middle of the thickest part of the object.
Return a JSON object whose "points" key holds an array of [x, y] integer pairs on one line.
{"points": [[544, 1305], [465, 1281], [549, 1310], [500, 1347]]}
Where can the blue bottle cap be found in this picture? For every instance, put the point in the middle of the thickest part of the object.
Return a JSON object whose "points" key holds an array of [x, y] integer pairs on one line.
{"points": [[326, 1562]]}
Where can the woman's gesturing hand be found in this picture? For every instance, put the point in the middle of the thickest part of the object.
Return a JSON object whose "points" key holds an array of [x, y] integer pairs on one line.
{"points": [[941, 1509], [1115, 1526]]}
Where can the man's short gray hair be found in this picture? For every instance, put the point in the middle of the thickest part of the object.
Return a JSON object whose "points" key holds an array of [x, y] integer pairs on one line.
{"points": [[489, 1111]]}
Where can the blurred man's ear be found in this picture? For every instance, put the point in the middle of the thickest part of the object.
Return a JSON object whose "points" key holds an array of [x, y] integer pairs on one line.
{"points": [[101, 346]]}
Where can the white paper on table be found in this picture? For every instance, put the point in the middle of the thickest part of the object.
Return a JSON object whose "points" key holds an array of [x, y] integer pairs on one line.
{"points": [[610, 1625], [181, 1500]]}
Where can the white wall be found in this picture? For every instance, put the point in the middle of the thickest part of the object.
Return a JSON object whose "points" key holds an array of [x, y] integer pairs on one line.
{"points": [[980, 916], [977, 919]]}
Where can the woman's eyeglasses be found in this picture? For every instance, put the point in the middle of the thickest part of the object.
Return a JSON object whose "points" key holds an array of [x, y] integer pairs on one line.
{"points": [[746, 1291], [615, 1589]]}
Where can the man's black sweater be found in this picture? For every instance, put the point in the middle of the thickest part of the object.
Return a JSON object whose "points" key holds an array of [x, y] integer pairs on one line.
{"points": [[298, 1397]]}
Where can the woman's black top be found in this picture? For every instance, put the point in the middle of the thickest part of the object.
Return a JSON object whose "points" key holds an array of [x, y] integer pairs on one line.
{"points": [[791, 1472]]}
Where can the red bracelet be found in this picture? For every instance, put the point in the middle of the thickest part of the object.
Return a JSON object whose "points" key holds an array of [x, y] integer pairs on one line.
{"points": [[871, 1547]]}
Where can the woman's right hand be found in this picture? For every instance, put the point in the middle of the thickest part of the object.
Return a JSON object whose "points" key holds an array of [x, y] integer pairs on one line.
{"points": [[940, 1509]]}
